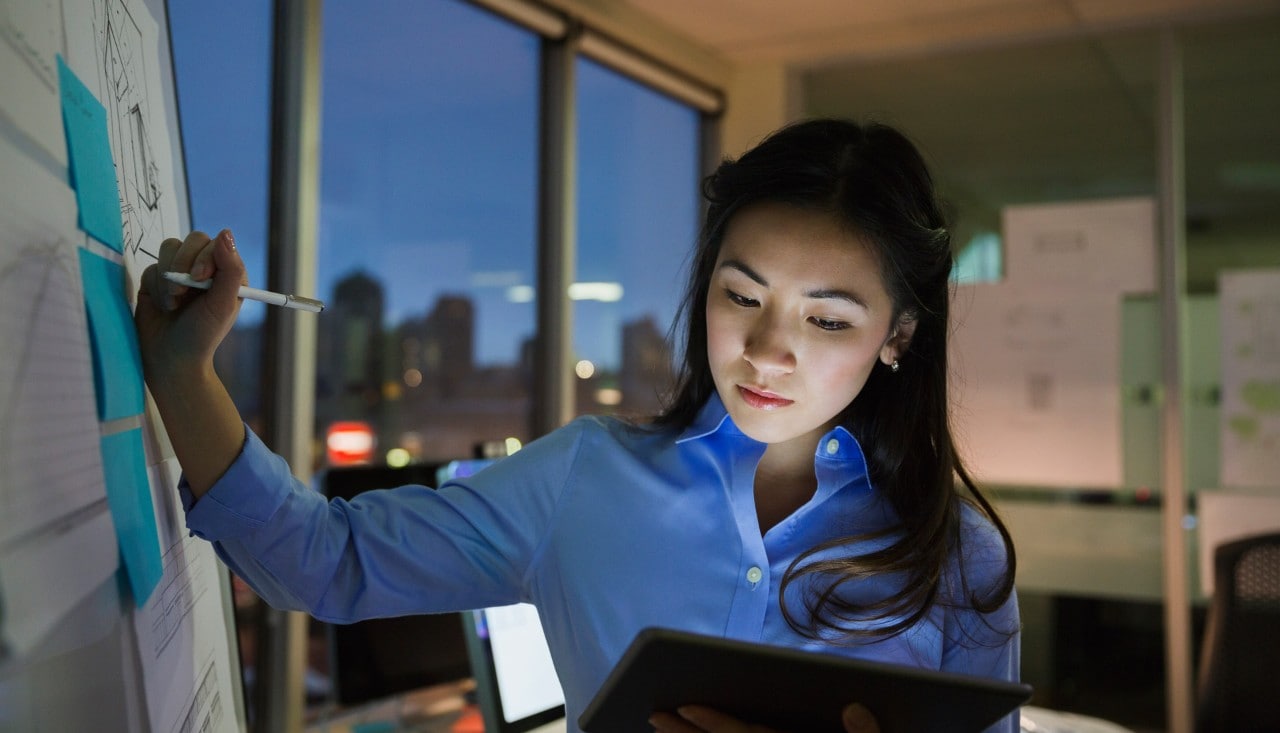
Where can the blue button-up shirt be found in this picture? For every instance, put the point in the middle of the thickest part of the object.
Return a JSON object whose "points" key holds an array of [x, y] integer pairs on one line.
{"points": [[606, 528]]}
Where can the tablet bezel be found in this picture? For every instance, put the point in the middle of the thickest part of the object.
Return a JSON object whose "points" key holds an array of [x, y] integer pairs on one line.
{"points": [[788, 689]]}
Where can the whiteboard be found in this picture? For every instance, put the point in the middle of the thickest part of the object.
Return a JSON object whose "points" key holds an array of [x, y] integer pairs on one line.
{"points": [[111, 617]]}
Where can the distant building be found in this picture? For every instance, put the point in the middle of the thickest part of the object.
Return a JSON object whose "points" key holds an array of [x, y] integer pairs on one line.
{"points": [[349, 352], [238, 362], [444, 403], [645, 378]]}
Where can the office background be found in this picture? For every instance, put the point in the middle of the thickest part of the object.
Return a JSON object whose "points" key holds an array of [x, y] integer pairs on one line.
{"points": [[430, 168]]}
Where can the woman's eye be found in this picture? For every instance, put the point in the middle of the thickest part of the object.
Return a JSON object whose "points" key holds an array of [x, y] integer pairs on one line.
{"points": [[741, 300], [827, 324]]}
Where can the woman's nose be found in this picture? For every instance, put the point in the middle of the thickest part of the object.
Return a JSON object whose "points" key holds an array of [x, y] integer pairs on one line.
{"points": [[769, 348]]}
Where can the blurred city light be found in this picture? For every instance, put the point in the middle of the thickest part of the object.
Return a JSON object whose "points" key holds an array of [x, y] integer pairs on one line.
{"points": [[349, 442], [603, 292], [398, 457]]}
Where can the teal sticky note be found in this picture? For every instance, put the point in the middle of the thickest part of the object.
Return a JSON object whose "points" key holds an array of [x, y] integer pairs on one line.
{"points": [[117, 360], [124, 466], [91, 170]]}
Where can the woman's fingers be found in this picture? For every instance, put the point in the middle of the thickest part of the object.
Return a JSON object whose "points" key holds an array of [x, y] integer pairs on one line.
{"points": [[672, 723], [153, 280], [179, 256], [858, 719], [231, 273], [205, 264], [195, 243], [701, 719]]}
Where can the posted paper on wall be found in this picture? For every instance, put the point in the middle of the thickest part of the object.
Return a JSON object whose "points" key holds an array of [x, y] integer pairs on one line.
{"points": [[1249, 306], [1036, 380], [181, 629], [54, 521], [1107, 244]]}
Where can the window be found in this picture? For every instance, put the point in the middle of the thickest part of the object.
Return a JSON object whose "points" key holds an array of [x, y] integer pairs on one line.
{"points": [[638, 158], [428, 234], [224, 100]]}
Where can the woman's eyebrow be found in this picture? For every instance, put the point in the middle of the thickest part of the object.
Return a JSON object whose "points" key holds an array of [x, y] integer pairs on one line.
{"points": [[831, 293], [742, 267], [820, 293]]}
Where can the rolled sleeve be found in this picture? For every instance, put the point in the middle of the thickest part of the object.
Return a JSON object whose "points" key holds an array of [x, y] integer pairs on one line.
{"points": [[244, 499]]}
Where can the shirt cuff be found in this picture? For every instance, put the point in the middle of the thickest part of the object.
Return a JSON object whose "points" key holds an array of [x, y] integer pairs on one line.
{"points": [[245, 498]]}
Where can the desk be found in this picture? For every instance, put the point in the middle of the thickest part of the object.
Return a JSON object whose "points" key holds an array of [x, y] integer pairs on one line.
{"points": [[1041, 720], [1095, 550], [430, 710], [439, 709]]}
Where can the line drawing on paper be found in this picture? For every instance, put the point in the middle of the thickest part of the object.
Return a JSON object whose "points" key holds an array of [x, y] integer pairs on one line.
{"points": [[205, 711], [46, 387], [183, 586], [125, 81]]}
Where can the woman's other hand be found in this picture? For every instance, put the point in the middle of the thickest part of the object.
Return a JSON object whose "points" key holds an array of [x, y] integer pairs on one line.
{"points": [[699, 719]]}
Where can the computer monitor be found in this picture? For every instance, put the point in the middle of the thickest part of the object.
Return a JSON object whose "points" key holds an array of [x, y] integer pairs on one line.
{"points": [[516, 684], [380, 658]]}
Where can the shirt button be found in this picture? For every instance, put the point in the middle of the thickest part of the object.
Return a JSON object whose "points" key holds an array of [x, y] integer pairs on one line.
{"points": [[833, 447], [754, 575]]}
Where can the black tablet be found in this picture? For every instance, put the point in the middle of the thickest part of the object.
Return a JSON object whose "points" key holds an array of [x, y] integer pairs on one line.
{"points": [[788, 689]]}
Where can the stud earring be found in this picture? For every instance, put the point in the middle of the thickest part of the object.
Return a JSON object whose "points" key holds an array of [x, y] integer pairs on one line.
{"points": [[894, 366]]}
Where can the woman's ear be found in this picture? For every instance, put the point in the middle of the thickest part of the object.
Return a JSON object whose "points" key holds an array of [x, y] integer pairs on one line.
{"points": [[899, 339]]}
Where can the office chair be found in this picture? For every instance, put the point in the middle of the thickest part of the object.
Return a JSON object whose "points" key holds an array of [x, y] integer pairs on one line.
{"points": [[1239, 678]]}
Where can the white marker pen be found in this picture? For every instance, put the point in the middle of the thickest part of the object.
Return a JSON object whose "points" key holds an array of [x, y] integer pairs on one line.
{"points": [[262, 296]]}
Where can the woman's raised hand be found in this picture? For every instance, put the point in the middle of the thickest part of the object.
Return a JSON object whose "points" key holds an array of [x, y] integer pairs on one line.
{"points": [[179, 327]]}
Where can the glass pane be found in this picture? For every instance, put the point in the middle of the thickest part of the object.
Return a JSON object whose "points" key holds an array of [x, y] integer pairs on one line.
{"points": [[1232, 98], [427, 231], [637, 222], [1032, 146], [224, 99]]}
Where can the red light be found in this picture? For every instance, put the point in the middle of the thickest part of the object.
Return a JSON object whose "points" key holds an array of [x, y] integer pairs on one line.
{"points": [[349, 442]]}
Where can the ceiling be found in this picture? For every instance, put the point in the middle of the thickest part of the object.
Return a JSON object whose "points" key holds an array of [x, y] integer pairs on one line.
{"points": [[1023, 101], [819, 32]]}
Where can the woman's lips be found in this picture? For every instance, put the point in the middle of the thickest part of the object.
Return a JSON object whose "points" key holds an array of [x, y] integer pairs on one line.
{"points": [[762, 400]]}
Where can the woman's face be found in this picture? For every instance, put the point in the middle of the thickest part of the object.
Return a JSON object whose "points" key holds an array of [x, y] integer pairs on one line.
{"points": [[797, 316]]}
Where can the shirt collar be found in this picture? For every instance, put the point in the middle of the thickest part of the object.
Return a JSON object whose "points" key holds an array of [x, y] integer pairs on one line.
{"points": [[837, 446], [712, 418], [838, 458]]}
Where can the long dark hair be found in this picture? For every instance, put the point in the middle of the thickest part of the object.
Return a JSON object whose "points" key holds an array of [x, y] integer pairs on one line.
{"points": [[876, 182]]}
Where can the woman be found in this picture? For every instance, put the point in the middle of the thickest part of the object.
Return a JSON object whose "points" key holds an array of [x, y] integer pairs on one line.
{"points": [[800, 490]]}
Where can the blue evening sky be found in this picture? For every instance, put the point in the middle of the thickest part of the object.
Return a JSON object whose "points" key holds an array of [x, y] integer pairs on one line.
{"points": [[428, 163]]}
